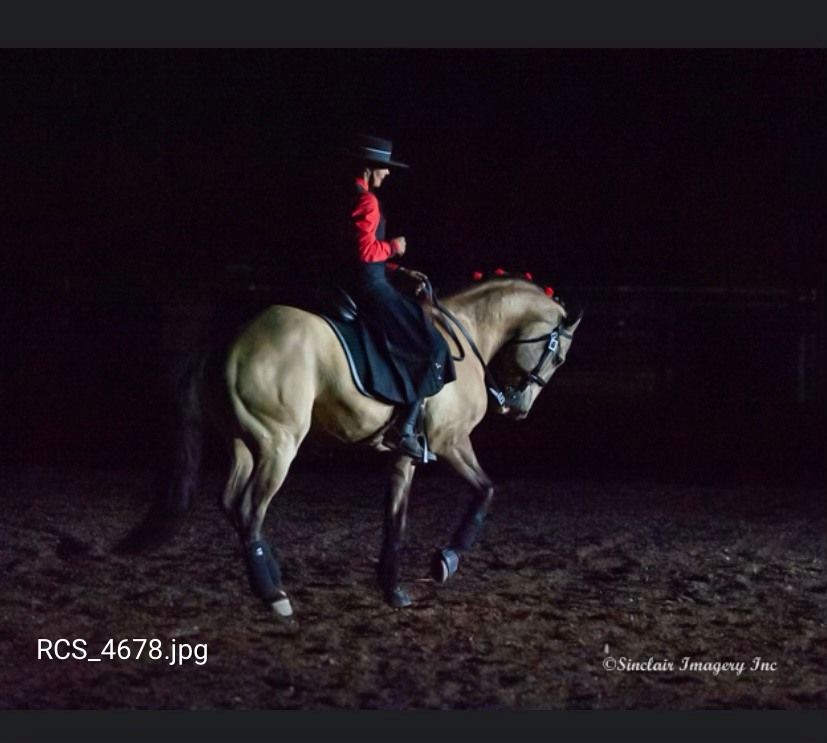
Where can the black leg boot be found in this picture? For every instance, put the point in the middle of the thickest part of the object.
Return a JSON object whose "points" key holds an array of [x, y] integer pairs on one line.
{"points": [[405, 439]]}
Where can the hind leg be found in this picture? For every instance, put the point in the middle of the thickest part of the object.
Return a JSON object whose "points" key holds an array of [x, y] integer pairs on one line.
{"points": [[240, 473], [269, 472], [462, 458]]}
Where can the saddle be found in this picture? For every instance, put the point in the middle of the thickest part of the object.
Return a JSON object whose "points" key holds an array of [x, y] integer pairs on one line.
{"points": [[364, 355], [340, 306], [368, 361]]}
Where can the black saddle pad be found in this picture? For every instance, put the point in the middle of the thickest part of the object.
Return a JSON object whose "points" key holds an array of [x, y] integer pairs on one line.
{"points": [[381, 368], [371, 373]]}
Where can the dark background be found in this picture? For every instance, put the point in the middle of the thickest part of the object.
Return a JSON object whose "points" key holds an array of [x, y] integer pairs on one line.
{"points": [[153, 199]]}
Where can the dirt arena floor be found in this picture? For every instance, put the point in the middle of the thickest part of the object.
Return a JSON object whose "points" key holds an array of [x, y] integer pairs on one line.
{"points": [[571, 578]]}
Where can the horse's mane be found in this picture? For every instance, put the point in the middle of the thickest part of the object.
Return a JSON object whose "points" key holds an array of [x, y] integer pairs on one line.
{"points": [[478, 286], [485, 284]]}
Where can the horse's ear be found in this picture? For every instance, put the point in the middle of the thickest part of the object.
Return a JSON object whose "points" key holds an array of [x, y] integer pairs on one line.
{"points": [[574, 314]]}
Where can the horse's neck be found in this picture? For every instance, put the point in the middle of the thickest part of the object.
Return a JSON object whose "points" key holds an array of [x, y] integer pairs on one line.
{"points": [[493, 315]]}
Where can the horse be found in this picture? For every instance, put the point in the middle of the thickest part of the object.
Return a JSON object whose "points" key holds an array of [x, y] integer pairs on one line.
{"points": [[285, 373]]}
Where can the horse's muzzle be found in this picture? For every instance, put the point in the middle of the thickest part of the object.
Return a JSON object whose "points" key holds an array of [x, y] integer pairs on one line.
{"points": [[511, 412]]}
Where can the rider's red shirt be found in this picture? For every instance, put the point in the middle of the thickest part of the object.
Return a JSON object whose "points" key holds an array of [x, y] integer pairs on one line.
{"points": [[366, 220]]}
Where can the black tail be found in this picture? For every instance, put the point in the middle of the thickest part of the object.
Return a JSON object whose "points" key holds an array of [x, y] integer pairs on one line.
{"points": [[178, 477]]}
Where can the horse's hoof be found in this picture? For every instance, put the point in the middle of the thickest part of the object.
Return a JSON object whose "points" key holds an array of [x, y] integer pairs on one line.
{"points": [[398, 599], [444, 565], [282, 608]]}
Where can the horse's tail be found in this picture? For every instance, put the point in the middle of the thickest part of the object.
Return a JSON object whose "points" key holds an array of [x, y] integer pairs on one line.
{"points": [[179, 475]]}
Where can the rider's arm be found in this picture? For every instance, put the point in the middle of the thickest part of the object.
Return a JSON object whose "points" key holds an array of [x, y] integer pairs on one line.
{"points": [[365, 221]]}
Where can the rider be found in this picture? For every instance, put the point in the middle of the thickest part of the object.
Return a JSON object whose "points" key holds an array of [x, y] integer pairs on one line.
{"points": [[418, 353]]}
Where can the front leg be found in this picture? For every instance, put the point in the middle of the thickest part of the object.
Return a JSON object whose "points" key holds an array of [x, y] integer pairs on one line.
{"points": [[463, 459], [396, 507]]}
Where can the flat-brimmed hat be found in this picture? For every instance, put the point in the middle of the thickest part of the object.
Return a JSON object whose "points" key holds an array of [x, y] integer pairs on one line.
{"points": [[372, 150]]}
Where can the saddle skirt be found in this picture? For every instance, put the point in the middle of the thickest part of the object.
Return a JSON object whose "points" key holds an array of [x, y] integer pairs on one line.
{"points": [[374, 361], [369, 368]]}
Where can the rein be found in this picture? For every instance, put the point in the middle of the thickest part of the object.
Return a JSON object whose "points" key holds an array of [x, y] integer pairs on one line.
{"points": [[493, 387], [551, 339]]}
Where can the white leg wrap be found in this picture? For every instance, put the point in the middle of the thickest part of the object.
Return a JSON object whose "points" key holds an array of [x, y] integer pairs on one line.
{"points": [[282, 607]]}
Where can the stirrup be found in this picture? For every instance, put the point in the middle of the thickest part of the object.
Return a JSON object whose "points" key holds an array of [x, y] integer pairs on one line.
{"points": [[413, 445], [416, 447]]}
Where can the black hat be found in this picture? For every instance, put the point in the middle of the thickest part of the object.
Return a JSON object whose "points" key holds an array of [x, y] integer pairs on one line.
{"points": [[372, 150]]}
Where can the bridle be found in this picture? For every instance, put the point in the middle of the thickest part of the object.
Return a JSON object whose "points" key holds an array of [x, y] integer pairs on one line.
{"points": [[552, 341], [503, 395]]}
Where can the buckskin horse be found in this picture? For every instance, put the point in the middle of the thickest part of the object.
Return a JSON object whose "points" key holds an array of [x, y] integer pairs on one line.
{"points": [[286, 372]]}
